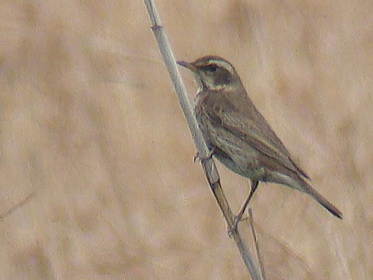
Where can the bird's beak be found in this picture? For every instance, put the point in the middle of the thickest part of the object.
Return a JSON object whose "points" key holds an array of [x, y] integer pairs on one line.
{"points": [[188, 65]]}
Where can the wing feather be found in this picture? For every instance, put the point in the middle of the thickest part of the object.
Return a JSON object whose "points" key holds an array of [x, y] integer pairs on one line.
{"points": [[246, 124]]}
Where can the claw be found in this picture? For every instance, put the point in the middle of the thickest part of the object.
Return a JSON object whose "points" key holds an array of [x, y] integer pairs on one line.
{"points": [[211, 152], [236, 221], [234, 227], [196, 156]]}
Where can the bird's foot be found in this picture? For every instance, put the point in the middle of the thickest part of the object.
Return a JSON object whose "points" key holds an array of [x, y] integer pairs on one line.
{"points": [[234, 227], [209, 155]]}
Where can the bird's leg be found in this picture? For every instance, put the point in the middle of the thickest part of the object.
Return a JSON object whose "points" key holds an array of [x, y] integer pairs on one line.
{"points": [[238, 218], [209, 155]]}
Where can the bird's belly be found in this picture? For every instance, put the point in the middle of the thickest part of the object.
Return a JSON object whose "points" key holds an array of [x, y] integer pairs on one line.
{"points": [[248, 167]]}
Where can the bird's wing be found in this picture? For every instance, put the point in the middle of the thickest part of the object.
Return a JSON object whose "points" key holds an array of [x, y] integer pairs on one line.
{"points": [[249, 126]]}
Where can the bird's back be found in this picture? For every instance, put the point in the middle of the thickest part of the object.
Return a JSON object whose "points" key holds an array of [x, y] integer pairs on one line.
{"points": [[235, 112]]}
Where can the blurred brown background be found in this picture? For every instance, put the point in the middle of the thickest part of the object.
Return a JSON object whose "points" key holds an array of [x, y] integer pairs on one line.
{"points": [[92, 130]]}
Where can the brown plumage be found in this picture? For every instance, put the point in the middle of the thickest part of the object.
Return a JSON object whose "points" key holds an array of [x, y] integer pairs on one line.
{"points": [[238, 134]]}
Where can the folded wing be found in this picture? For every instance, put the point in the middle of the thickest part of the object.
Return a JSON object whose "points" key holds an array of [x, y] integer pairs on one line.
{"points": [[244, 121]]}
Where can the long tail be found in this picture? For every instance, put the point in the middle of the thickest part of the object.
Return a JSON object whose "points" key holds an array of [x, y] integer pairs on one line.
{"points": [[295, 181], [322, 200]]}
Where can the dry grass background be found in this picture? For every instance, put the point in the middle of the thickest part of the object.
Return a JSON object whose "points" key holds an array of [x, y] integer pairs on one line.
{"points": [[91, 126]]}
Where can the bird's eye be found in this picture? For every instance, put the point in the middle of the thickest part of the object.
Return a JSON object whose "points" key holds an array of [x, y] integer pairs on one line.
{"points": [[212, 68]]}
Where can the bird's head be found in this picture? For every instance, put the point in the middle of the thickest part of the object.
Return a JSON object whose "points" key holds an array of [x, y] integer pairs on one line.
{"points": [[213, 73]]}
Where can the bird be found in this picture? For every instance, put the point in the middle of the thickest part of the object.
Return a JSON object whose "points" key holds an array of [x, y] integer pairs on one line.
{"points": [[238, 135]]}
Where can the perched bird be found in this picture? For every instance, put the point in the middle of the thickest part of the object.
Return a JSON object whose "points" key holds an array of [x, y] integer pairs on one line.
{"points": [[237, 133]]}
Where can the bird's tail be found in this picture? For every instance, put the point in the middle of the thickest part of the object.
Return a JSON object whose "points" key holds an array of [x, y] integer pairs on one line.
{"points": [[296, 182], [322, 200]]}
